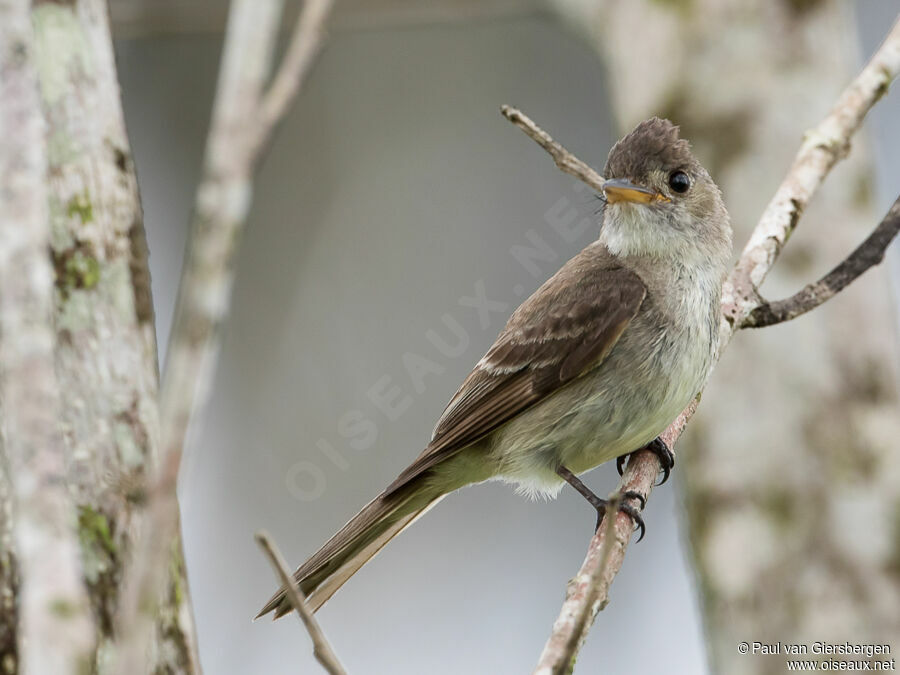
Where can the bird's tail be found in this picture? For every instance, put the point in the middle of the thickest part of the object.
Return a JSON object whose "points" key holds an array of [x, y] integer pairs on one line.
{"points": [[356, 543]]}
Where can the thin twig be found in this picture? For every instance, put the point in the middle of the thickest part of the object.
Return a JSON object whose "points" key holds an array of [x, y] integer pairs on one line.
{"points": [[306, 41], [866, 255], [582, 596], [823, 146], [321, 648], [565, 160], [588, 592], [238, 134]]}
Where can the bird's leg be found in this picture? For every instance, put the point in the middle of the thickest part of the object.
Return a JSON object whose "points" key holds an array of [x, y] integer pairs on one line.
{"points": [[659, 448], [601, 504]]}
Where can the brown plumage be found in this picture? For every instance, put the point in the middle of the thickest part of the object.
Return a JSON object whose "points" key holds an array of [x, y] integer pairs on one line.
{"points": [[590, 367], [566, 327], [651, 144]]}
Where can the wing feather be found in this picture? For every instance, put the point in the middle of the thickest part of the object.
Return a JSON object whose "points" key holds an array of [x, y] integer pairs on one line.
{"points": [[565, 329]]}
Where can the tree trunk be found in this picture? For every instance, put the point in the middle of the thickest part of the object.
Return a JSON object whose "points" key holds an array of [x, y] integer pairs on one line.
{"points": [[106, 358], [47, 597], [791, 483]]}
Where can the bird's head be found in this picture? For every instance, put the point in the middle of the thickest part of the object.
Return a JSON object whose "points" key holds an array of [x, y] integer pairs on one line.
{"points": [[660, 202]]}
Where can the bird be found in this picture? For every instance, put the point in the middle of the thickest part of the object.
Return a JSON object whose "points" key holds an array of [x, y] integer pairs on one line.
{"points": [[591, 367]]}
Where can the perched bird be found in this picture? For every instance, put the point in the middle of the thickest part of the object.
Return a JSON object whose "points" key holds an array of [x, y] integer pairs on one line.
{"points": [[593, 366]]}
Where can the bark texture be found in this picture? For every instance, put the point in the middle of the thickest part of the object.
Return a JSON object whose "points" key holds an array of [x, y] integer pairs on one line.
{"points": [[106, 350], [247, 107], [50, 598], [9, 576], [792, 487]]}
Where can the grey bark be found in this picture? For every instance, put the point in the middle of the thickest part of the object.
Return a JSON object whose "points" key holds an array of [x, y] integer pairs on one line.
{"points": [[51, 600], [790, 459], [106, 359], [247, 107]]}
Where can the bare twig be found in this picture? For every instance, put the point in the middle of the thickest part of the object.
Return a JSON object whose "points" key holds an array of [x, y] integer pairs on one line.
{"points": [[240, 129], [306, 40], [52, 600], [583, 596], [823, 146], [565, 160], [866, 255], [321, 648]]}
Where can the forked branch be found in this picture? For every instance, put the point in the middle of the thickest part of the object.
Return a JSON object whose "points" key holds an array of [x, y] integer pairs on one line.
{"points": [[245, 113], [823, 146], [868, 254]]}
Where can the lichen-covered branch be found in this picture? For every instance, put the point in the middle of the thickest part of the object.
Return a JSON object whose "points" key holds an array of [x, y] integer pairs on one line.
{"points": [[822, 148], [106, 358], [52, 602], [321, 648], [866, 255], [241, 127]]}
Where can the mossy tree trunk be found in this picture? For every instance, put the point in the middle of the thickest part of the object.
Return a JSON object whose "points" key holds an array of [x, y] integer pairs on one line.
{"points": [[790, 478], [106, 359]]}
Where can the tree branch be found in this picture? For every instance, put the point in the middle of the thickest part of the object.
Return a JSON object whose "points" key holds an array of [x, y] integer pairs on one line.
{"points": [[321, 648], [583, 596], [588, 592], [565, 160], [52, 600], [866, 255], [306, 41], [823, 146], [240, 129]]}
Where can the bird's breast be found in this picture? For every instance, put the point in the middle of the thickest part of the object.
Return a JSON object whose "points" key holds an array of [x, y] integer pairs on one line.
{"points": [[649, 377]]}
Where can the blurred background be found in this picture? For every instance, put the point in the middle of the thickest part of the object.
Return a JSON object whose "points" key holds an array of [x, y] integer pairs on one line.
{"points": [[397, 221]]}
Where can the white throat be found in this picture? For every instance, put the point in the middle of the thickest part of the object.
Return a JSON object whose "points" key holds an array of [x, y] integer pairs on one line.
{"points": [[628, 230]]}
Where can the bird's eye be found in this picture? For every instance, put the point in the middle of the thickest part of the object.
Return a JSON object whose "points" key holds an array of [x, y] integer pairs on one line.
{"points": [[679, 181]]}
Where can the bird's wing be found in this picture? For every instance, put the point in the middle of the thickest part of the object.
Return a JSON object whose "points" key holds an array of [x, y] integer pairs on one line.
{"points": [[565, 329]]}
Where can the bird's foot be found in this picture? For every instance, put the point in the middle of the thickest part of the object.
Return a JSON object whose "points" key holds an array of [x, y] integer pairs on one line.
{"points": [[601, 504], [623, 506], [659, 448]]}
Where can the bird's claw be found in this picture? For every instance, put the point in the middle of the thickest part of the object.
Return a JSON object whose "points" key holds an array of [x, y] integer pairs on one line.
{"points": [[626, 508], [659, 448]]}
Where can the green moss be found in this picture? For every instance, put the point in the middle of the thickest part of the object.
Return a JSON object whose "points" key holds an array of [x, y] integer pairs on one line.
{"points": [[80, 205], [63, 608], [176, 574], [100, 562], [884, 84], [94, 531], [781, 506], [81, 271]]}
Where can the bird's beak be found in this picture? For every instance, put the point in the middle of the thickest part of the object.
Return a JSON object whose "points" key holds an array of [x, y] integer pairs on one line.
{"points": [[622, 190]]}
